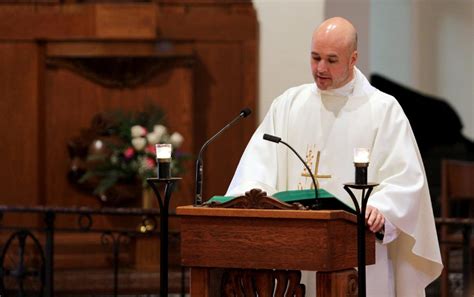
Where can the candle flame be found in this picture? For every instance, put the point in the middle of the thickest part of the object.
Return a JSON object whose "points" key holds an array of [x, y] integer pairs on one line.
{"points": [[163, 151], [361, 155]]}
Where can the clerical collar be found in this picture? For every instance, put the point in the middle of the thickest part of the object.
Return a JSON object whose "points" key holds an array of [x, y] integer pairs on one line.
{"points": [[343, 91]]}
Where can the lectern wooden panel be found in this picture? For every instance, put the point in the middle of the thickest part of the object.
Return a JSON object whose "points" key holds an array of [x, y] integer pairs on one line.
{"points": [[269, 239]]}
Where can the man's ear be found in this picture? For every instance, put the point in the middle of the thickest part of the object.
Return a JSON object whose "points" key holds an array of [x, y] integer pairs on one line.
{"points": [[354, 57]]}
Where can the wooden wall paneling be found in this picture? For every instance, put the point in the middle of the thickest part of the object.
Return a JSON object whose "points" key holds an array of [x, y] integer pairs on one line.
{"points": [[127, 20], [95, 49], [72, 101], [199, 98], [248, 98], [173, 90], [219, 97], [78, 21], [32, 22], [19, 155], [202, 2], [228, 21], [250, 84], [185, 110], [225, 34], [235, 64]]}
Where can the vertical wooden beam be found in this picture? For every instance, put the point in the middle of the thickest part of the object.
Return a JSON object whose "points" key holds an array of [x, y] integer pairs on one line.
{"points": [[341, 283], [250, 85], [19, 123], [200, 282], [41, 122]]}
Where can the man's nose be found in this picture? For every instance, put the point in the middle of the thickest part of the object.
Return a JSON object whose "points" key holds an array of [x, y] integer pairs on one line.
{"points": [[322, 66]]}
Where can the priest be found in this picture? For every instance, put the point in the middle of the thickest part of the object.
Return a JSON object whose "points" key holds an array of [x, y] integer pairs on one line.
{"points": [[325, 121]]}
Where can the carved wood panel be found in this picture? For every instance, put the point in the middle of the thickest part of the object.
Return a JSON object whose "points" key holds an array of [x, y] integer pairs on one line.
{"points": [[262, 283], [71, 101]]}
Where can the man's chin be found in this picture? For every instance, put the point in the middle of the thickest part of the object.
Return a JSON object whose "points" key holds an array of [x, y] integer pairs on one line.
{"points": [[323, 87], [323, 83]]}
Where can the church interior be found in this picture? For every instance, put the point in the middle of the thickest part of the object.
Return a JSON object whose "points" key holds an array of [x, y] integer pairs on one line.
{"points": [[85, 217]]}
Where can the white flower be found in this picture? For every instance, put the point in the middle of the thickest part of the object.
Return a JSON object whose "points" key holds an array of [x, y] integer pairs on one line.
{"points": [[159, 130], [176, 139], [152, 138], [137, 131], [113, 159], [98, 144], [139, 143]]}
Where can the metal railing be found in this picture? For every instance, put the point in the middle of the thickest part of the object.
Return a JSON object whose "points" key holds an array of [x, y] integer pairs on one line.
{"points": [[41, 238]]}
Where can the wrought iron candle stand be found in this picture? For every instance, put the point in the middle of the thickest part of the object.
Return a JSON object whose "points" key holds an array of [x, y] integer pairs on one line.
{"points": [[163, 203], [361, 229]]}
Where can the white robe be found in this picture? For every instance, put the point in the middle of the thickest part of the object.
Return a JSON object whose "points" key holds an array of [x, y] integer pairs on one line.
{"points": [[334, 125]]}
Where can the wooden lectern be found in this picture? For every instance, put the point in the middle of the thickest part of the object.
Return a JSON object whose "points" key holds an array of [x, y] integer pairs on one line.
{"points": [[323, 241]]}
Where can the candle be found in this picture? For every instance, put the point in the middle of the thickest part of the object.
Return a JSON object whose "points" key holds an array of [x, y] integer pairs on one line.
{"points": [[163, 160], [361, 162], [361, 155], [163, 151]]}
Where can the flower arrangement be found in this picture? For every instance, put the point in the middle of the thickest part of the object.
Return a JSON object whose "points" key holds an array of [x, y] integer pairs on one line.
{"points": [[125, 153]]}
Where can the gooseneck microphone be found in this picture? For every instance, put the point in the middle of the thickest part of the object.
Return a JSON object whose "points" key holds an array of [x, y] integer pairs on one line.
{"points": [[276, 139], [199, 167]]}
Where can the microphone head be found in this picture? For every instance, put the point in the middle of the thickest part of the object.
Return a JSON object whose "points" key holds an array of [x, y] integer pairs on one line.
{"points": [[271, 138], [245, 112]]}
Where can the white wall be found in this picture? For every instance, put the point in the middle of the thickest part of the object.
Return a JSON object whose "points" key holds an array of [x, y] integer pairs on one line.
{"points": [[444, 54], [425, 45], [391, 40], [285, 42], [428, 46], [357, 12]]}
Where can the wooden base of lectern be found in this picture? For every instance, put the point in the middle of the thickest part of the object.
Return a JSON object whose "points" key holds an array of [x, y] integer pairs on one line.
{"points": [[341, 283], [323, 241]]}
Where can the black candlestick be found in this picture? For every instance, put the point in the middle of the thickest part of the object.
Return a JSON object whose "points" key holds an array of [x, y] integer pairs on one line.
{"points": [[169, 184], [361, 173], [163, 168], [360, 213]]}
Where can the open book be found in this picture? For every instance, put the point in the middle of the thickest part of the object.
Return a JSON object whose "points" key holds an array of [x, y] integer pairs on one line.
{"points": [[306, 197]]}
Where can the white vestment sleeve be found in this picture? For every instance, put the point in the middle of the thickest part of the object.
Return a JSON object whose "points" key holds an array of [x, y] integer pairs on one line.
{"points": [[390, 232]]}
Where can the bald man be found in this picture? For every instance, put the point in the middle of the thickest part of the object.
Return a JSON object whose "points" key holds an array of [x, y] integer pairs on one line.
{"points": [[341, 111]]}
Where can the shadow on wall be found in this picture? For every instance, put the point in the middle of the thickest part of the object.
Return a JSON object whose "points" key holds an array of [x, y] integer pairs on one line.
{"points": [[437, 128]]}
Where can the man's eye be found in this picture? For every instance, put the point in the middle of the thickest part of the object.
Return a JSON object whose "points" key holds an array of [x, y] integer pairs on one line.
{"points": [[317, 58], [332, 61]]}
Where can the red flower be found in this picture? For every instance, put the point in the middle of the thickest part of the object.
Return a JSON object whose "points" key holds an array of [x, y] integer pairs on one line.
{"points": [[150, 163], [150, 149], [128, 153]]}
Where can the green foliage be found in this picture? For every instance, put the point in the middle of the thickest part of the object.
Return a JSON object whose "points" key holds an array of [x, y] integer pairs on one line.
{"points": [[127, 154]]}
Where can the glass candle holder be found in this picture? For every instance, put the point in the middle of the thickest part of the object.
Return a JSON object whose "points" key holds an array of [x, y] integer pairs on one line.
{"points": [[163, 160], [361, 163]]}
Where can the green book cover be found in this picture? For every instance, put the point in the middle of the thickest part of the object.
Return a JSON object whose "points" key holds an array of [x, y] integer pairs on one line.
{"points": [[305, 197]]}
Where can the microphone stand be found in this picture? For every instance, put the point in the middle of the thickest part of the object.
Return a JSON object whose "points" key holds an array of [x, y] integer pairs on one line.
{"points": [[278, 140], [199, 165]]}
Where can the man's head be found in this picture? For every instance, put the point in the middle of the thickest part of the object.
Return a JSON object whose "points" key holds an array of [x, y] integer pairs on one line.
{"points": [[333, 53]]}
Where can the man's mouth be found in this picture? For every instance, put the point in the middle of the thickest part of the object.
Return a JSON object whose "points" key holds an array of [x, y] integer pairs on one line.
{"points": [[323, 77]]}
